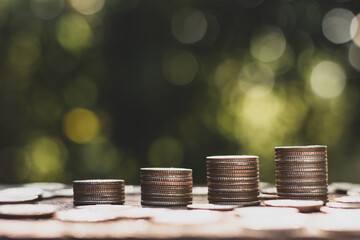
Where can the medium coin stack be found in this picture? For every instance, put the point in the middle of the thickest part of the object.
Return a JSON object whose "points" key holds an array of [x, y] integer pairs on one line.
{"points": [[166, 186], [233, 180], [109, 191], [302, 172]]}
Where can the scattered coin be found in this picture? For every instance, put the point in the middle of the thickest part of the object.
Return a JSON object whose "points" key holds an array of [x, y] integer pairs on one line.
{"points": [[166, 186], [212, 207], [85, 215], [46, 186], [354, 191], [12, 199], [264, 196], [27, 210], [269, 190], [302, 205], [184, 217], [281, 223], [265, 211], [335, 210], [343, 187], [21, 191], [343, 205]]}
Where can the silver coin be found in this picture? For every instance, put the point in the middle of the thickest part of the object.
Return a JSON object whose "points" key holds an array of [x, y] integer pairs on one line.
{"points": [[85, 215], [269, 190], [27, 210], [186, 217], [343, 205], [22, 191], [301, 205], [265, 196], [46, 186], [209, 206], [11, 199], [265, 211], [342, 187]]}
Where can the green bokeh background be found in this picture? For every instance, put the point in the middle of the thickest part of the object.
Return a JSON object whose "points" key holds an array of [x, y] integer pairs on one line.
{"points": [[98, 89]]}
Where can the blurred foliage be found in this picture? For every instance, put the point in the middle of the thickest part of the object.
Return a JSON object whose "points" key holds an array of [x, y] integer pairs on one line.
{"points": [[98, 89]]}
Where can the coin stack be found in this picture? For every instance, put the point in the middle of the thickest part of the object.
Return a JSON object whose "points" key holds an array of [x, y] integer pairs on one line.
{"points": [[166, 186], [109, 191], [302, 172], [233, 180]]}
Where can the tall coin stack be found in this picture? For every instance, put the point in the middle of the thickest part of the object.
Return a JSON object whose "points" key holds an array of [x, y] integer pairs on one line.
{"points": [[233, 180], [302, 172], [109, 191], [166, 186]]}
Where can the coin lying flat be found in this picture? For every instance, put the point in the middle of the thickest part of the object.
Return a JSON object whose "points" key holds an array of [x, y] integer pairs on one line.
{"points": [[46, 186], [22, 191], [27, 210], [85, 215], [12, 199], [265, 211], [184, 217], [264, 196], [334, 210], [302, 205], [348, 199], [215, 207], [343, 205]]}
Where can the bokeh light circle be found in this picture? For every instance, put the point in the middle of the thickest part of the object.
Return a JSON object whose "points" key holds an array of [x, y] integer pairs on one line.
{"points": [[327, 79], [354, 57], [355, 29], [189, 25], [87, 7], [180, 67], [81, 125], [336, 25], [256, 80], [268, 44]]}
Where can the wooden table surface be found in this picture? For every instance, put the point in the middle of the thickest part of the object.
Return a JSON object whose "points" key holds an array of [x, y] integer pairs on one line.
{"points": [[316, 225]]}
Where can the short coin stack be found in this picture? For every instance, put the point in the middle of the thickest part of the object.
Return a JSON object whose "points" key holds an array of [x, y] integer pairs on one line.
{"points": [[109, 191], [166, 186], [301, 172], [233, 180]]}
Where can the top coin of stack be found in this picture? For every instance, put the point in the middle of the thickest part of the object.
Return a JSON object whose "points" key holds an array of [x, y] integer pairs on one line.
{"points": [[302, 172], [166, 186], [233, 180], [108, 191]]}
